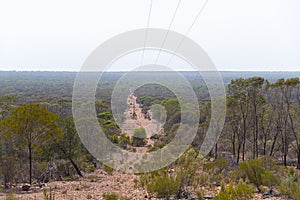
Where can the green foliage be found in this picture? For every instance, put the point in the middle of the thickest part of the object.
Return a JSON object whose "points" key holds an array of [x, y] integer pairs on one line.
{"points": [[108, 170], [123, 141], [70, 141], [87, 166], [241, 192], [110, 127], [30, 127], [163, 186], [113, 196], [186, 168], [258, 172], [105, 116], [138, 138], [216, 171], [290, 186], [114, 138], [160, 183], [216, 167], [292, 191]]}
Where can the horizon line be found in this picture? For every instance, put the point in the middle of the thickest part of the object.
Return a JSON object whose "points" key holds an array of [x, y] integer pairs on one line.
{"points": [[150, 71]]}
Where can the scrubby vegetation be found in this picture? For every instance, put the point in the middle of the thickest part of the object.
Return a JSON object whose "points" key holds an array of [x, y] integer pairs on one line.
{"points": [[258, 152]]}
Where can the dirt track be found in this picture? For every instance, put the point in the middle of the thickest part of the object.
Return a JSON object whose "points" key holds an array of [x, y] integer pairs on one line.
{"points": [[136, 119]]}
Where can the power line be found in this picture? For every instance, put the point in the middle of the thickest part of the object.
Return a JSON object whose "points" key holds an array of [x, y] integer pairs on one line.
{"points": [[147, 28], [188, 31], [166, 36]]}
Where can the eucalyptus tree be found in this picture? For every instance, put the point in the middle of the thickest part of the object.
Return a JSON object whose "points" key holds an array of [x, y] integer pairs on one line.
{"points": [[239, 101], [33, 126], [256, 99]]}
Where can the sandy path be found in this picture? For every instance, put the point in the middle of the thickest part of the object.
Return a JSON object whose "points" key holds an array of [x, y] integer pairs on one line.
{"points": [[135, 119]]}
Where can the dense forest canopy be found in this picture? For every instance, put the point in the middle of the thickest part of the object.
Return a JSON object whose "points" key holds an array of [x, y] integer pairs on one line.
{"points": [[52, 86]]}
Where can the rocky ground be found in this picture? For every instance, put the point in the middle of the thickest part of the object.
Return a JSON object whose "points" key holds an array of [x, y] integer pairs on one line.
{"points": [[93, 186]]}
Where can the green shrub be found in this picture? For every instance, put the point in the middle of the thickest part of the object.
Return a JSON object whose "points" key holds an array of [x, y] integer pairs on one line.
{"points": [[241, 192], [124, 140], [136, 183], [258, 172], [108, 170], [139, 136], [186, 168], [163, 186], [290, 186], [111, 196], [216, 170], [88, 167], [114, 138], [218, 166]]}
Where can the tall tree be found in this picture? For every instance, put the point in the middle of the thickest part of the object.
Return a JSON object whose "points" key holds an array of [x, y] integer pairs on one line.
{"points": [[240, 102], [256, 99], [33, 125]]}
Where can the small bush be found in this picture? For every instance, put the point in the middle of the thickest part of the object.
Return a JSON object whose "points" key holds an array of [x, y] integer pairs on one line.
{"points": [[139, 136], [258, 172], [108, 170], [111, 196], [216, 170], [114, 196], [216, 167], [241, 192], [136, 183], [290, 186], [163, 186], [88, 167]]}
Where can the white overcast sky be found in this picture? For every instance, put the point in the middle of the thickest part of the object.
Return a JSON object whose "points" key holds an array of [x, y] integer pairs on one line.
{"points": [[237, 34]]}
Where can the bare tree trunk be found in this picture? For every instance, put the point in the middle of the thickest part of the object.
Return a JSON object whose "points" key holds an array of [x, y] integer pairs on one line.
{"points": [[30, 163], [72, 162], [298, 158], [233, 144], [274, 142], [238, 153], [216, 151]]}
